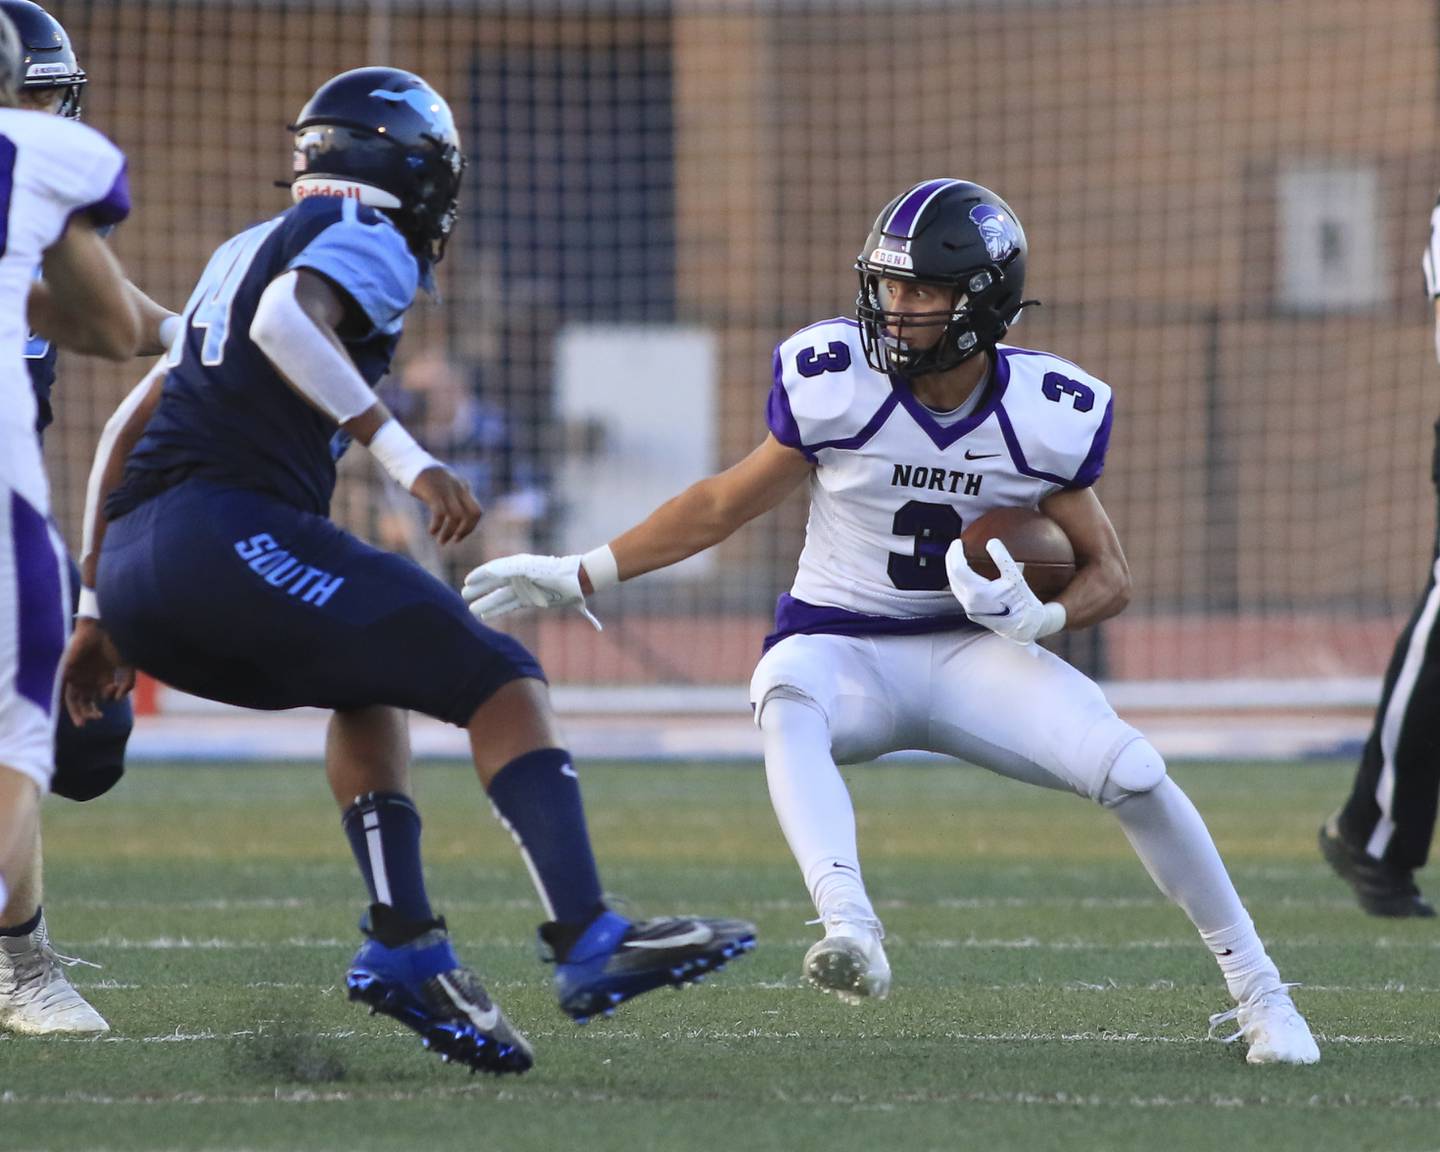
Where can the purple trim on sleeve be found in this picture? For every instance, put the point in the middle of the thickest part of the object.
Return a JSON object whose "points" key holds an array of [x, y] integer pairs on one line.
{"points": [[779, 417], [941, 435], [114, 206], [796, 618], [41, 607], [1095, 462]]}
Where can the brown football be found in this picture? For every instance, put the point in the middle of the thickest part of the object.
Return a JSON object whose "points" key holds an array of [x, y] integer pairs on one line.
{"points": [[1033, 539]]}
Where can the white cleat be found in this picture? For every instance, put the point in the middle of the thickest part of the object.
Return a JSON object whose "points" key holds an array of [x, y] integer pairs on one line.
{"points": [[850, 961], [35, 997], [1273, 1027]]}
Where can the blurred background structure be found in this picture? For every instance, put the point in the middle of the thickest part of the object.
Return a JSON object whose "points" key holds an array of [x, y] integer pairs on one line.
{"points": [[1226, 201]]}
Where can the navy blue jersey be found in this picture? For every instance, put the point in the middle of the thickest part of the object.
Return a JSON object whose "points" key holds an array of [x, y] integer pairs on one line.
{"points": [[226, 415]]}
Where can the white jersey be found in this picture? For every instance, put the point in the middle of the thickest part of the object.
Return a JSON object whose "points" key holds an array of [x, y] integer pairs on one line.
{"points": [[50, 169], [894, 484]]}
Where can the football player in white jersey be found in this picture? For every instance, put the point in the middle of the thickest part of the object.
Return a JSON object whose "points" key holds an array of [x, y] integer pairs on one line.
{"points": [[59, 183], [907, 423], [36, 996]]}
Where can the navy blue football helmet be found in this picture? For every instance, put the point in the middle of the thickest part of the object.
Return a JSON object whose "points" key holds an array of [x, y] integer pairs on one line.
{"points": [[384, 137], [49, 60], [948, 232]]}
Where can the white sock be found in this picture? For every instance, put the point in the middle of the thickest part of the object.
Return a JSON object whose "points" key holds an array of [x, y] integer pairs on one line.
{"points": [[812, 804], [1173, 843]]}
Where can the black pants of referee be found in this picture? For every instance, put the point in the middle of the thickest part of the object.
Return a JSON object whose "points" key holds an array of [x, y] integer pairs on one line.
{"points": [[1391, 811]]}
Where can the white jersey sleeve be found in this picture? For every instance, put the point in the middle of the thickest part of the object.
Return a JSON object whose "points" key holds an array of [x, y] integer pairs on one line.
{"points": [[894, 483], [50, 170]]}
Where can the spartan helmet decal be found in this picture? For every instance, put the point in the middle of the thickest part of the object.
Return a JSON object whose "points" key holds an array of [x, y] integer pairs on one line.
{"points": [[997, 229]]}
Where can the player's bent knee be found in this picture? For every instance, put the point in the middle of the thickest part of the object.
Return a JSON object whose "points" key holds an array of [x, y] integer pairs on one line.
{"points": [[1137, 769]]}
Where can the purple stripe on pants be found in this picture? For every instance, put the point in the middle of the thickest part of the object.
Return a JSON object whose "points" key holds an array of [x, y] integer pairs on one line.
{"points": [[40, 594]]}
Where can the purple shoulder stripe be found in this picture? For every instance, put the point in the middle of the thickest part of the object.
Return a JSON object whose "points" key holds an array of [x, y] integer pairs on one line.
{"points": [[860, 438], [1017, 456], [111, 208], [797, 618], [1095, 460]]}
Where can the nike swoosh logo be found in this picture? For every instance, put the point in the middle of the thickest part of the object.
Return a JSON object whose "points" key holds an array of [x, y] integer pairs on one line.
{"points": [[696, 935], [980, 455], [997, 615], [485, 1021], [569, 770]]}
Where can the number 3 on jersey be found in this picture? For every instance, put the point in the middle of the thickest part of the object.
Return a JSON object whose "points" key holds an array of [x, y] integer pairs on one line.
{"points": [[210, 303], [934, 526]]}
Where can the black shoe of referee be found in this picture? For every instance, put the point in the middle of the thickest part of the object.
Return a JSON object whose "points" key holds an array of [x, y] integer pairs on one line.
{"points": [[1381, 889]]}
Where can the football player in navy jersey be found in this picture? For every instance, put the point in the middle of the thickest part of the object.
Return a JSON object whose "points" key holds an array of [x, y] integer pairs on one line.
{"points": [[907, 421], [217, 569], [36, 997]]}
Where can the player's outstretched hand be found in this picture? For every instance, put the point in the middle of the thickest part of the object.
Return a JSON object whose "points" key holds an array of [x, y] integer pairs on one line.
{"points": [[92, 671], [1005, 605], [514, 582], [454, 512]]}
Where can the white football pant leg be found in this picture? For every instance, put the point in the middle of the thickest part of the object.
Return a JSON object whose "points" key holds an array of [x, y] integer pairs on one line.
{"points": [[34, 623], [1022, 712], [801, 690]]}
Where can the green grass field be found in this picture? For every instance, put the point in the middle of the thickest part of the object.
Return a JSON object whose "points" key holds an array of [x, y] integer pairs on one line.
{"points": [[1045, 997]]}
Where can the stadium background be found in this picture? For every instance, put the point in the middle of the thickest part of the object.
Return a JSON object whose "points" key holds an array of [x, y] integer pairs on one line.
{"points": [[1225, 202]]}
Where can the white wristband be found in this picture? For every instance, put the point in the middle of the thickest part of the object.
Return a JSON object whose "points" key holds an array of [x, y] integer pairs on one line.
{"points": [[599, 564], [1054, 619], [89, 605], [169, 329], [399, 454]]}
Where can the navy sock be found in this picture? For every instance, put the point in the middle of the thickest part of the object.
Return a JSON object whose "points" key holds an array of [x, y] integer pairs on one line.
{"points": [[384, 833], [537, 797], [23, 929]]}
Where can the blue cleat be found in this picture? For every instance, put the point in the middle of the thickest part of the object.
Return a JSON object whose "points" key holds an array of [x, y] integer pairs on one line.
{"points": [[421, 984], [613, 960]]}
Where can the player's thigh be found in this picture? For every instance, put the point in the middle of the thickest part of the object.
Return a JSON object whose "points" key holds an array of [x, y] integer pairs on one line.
{"points": [[845, 679], [1023, 712], [241, 598], [33, 629]]}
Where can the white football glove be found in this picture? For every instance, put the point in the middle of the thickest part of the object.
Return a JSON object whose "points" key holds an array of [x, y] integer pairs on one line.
{"points": [[515, 582], [1005, 605]]}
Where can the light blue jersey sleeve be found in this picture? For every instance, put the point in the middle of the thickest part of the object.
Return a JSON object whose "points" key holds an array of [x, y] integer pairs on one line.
{"points": [[363, 253]]}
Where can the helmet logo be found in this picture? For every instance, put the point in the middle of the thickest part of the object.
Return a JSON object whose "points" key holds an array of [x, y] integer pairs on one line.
{"points": [[1000, 233], [429, 108]]}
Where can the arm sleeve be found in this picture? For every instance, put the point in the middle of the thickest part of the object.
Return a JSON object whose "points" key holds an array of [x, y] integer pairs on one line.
{"points": [[370, 262]]}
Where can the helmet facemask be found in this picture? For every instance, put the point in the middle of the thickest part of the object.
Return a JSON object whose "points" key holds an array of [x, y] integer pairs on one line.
{"points": [[883, 332]]}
